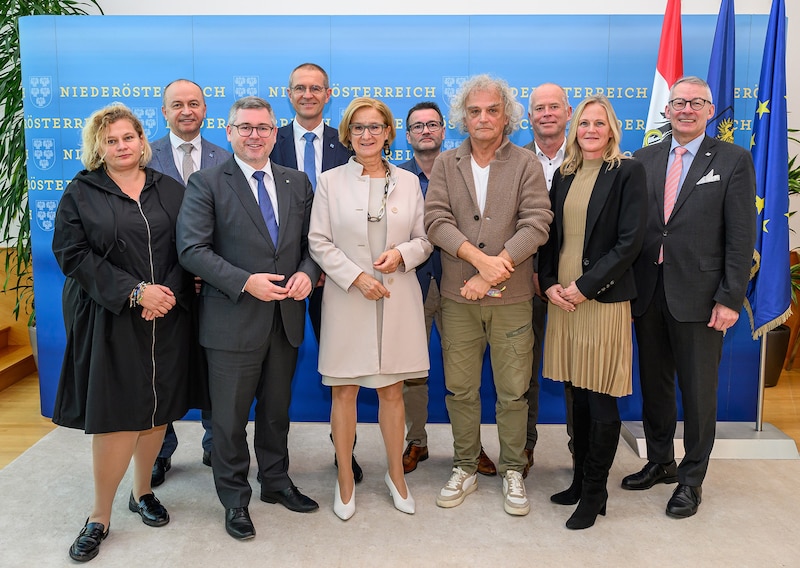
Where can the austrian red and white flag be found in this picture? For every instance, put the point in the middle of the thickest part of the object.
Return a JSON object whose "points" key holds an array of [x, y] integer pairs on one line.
{"points": [[669, 69]]}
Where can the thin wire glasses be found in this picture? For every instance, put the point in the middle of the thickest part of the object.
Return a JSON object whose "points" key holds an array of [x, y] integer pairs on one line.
{"points": [[359, 129]]}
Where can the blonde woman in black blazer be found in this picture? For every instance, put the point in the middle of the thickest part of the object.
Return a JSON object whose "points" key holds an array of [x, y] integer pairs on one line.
{"points": [[599, 206]]}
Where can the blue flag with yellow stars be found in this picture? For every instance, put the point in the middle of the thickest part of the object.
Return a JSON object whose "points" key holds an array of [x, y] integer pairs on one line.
{"points": [[721, 73], [769, 291]]}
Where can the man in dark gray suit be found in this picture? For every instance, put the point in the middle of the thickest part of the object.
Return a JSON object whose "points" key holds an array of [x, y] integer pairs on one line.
{"points": [[184, 107], [243, 228], [691, 279]]}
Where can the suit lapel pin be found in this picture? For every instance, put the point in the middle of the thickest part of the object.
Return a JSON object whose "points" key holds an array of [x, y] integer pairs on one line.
{"points": [[331, 145], [287, 181], [708, 153]]}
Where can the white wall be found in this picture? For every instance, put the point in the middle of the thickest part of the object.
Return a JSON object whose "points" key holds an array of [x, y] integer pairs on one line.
{"points": [[356, 7]]}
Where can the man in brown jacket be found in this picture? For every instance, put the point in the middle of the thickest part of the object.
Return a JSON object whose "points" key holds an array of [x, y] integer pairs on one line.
{"points": [[488, 209]]}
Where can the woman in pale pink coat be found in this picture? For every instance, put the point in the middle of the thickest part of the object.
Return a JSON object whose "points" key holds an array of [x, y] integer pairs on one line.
{"points": [[367, 235]]}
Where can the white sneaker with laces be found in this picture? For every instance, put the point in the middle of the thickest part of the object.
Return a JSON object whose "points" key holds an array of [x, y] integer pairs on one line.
{"points": [[457, 488], [515, 499]]}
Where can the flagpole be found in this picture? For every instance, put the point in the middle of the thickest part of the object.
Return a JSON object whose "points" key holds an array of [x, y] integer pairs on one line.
{"points": [[762, 367]]}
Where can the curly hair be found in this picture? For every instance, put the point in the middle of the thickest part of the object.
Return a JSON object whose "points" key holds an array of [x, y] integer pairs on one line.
{"points": [[514, 111], [96, 128]]}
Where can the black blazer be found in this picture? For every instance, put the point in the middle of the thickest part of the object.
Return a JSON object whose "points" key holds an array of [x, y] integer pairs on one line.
{"points": [[614, 231], [333, 153], [708, 241]]}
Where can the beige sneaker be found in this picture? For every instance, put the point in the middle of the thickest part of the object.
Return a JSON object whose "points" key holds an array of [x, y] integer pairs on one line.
{"points": [[457, 488], [515, 499]]}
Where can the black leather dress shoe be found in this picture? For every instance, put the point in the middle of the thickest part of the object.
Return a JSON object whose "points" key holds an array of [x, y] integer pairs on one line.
{"points": [[238, 523], [207, 458], [358, 473], [651, 474], [684, 501], [150, 509], [291, 498], [160, 469], [87, 545]]}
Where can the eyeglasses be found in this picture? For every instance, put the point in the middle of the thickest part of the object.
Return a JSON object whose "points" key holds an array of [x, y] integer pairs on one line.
{"points": [[359, 129], [315, 89], [696, 104], [263, 130], [419, 127]]}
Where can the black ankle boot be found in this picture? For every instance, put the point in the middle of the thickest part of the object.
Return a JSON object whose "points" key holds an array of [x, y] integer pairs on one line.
{"points": [[603, 440]]}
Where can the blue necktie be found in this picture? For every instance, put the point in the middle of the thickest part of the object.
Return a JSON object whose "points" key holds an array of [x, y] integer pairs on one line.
{"points": [[309, 166], [265, 205]]}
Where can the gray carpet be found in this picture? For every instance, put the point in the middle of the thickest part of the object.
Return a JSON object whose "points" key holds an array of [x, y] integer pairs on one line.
{"points": [[749, 516]]}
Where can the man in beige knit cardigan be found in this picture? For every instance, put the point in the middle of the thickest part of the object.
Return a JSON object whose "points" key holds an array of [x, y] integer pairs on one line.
{"points": [[488, 209]]}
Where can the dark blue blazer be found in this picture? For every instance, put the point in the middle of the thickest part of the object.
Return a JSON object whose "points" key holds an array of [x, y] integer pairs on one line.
{"points": [[333, 153]]}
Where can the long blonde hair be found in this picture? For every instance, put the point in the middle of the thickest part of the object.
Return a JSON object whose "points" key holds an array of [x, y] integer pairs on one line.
{"points": [[573, 155]]}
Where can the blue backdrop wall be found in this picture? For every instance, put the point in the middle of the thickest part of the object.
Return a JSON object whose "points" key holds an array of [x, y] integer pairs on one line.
{"points": [[74, 65]]}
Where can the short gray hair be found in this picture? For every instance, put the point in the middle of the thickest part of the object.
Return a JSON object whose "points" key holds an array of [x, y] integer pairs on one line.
{"points": [[692, 80]]}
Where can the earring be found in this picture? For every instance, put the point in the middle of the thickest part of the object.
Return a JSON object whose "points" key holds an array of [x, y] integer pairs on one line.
{"points": [[387, 149]]}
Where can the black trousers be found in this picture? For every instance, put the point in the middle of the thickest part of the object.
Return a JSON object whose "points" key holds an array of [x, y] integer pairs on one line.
{"points": [[692, 350]]}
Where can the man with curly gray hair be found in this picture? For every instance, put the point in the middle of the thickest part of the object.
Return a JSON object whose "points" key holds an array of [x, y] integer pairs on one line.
{"points": [[488, 209]]}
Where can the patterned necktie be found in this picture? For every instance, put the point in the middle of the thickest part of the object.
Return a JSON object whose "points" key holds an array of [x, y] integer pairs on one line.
{"points": [[265, 205], [187, 166], [671, 189], [309, 165]]}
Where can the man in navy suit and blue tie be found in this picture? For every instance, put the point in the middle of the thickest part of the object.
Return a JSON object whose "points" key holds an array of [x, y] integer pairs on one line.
{"points": [[311, 146], [691, 278], [243, 228], [178, 154]]}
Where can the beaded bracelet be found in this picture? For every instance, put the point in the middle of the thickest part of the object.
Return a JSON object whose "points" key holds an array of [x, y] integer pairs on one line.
{"points": [[136, 294]]}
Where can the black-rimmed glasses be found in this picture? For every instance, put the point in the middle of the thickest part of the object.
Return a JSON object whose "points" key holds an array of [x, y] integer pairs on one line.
{"points": [[263, 130], [419, 127], [696, 104]]}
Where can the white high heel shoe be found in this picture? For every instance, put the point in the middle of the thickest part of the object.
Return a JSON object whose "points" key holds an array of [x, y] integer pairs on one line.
{"points": [[406, 505], [344, 510]]}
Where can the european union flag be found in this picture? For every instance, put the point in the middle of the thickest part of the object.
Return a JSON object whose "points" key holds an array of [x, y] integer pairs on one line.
{"points": [[769, 292], [721, 73]]}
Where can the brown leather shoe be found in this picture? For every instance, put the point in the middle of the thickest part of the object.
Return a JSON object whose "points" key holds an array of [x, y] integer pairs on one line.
{"points": [[485, 465], [528, 462], [413, 455]]}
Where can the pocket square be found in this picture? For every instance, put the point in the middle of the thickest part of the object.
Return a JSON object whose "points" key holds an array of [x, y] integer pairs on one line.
{"points": [[708, 178]]}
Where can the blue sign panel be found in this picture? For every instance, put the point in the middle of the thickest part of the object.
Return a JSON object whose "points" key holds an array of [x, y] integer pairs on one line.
{"points": [[75, 65]]}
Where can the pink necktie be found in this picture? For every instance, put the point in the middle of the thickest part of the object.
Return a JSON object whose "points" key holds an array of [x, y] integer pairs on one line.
{"points": [[671, 189]]}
